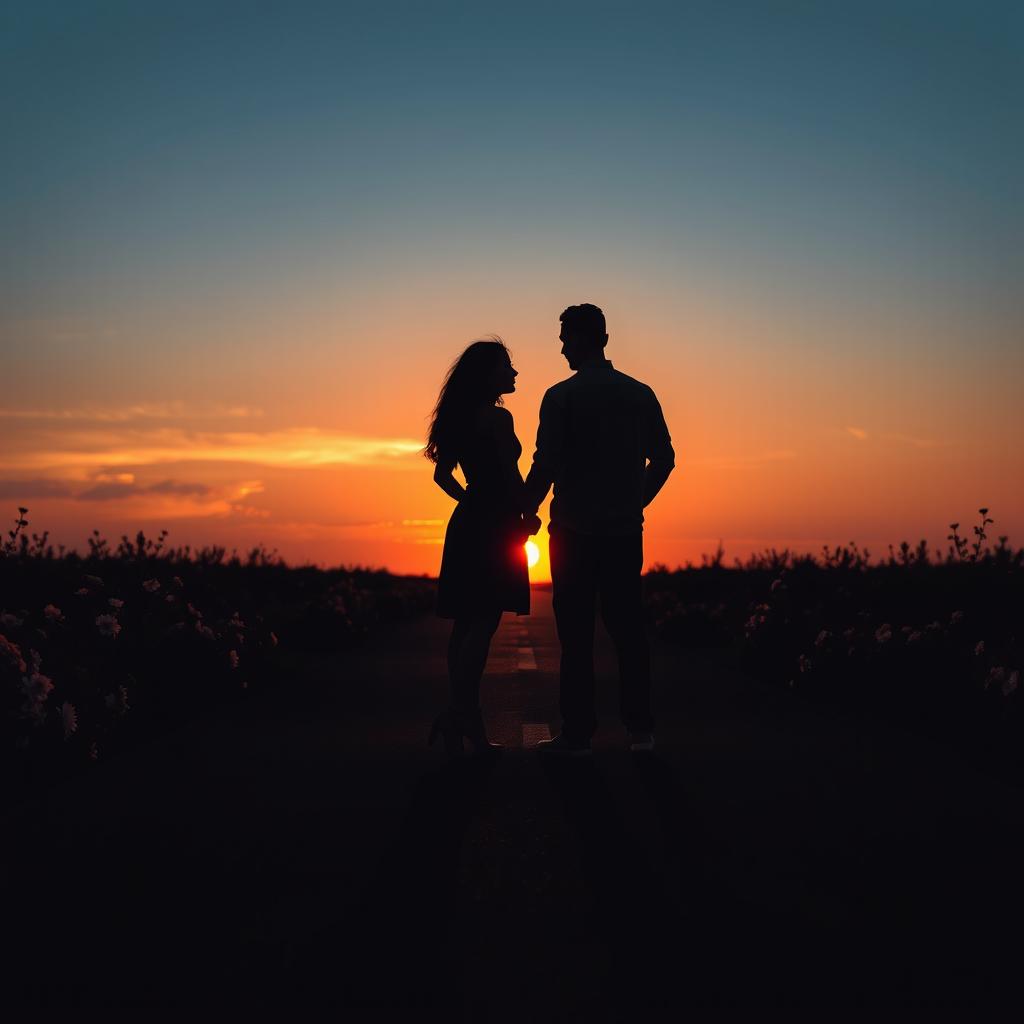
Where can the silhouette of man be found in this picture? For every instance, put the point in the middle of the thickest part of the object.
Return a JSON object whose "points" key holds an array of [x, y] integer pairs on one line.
{"points": [[602, 441]]}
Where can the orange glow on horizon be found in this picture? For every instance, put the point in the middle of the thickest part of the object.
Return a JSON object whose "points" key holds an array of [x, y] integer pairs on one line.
{"points": [[780, 441]]}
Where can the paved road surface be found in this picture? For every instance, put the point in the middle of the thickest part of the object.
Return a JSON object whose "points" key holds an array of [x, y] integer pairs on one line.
{"points": [[312, 850]]}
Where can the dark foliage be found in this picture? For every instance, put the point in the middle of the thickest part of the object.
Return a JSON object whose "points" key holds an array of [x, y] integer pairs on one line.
{"points": [[101, 651], [933, 643]]}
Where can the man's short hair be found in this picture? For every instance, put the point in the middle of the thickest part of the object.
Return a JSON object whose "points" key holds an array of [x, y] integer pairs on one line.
{"points": [[586, 319]]}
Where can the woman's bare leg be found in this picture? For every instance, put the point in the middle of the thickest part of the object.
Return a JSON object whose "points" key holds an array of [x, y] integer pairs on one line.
{"points": [[468, 648]]}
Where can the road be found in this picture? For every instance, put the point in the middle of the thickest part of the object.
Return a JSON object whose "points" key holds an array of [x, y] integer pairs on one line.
{"points": [[305, 847]]}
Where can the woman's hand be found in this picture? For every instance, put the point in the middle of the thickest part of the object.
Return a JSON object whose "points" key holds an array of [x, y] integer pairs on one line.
{"points": [[444, 477]]}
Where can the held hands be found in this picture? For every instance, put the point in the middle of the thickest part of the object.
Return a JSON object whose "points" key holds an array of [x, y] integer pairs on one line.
{"points": [[531, 524], [528, 525]]}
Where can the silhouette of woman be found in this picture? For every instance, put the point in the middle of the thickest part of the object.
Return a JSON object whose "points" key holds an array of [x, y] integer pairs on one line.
{"points": [[483, 565]]}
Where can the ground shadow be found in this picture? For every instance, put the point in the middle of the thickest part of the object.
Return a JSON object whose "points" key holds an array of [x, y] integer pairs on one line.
{"points": [[395, 946], [631, 907]]}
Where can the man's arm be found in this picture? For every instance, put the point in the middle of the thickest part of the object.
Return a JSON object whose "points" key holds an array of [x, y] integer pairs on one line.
{"points": [[548, 454], [662, 457]]}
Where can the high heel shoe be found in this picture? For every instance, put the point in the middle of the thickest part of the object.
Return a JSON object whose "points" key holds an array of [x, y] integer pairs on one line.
{"points": [[446, 727], [472, 727]]}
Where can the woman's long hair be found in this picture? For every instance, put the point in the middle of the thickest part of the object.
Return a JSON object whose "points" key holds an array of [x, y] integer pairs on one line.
{"points": [[467, 384]]}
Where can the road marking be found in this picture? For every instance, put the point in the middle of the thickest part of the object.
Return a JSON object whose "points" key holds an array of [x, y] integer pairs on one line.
{"points": [[527, 660], [533, 734]]}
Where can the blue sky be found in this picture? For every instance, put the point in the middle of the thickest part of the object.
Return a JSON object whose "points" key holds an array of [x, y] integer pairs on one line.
{"points": [[155, 137], [277, 205]]}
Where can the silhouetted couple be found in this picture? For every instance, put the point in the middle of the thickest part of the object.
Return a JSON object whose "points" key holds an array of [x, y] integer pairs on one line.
{"points": [[603, 443]]}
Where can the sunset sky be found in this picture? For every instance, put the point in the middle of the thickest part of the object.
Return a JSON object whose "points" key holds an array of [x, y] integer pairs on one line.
{"points": [[240, 244]]}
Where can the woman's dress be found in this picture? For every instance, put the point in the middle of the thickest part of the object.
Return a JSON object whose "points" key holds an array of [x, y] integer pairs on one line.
{"points": [[483, 565]]}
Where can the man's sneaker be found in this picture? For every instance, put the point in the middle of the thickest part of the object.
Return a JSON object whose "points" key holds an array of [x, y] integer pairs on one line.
{"points": [[562, 747], [640, 742]]}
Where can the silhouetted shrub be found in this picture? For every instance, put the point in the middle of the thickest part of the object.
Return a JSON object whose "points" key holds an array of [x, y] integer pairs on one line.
{"points": [[932, 642], [106, 649]]}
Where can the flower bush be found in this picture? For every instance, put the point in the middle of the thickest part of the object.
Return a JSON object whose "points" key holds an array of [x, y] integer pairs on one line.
{"points": [[931, 640], [103, 650]]}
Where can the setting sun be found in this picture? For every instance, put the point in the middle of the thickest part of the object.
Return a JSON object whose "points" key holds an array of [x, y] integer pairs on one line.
{"points": [[532, 554]]}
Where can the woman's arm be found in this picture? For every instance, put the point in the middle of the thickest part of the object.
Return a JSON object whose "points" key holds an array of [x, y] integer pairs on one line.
{"points": [[444, 477]]}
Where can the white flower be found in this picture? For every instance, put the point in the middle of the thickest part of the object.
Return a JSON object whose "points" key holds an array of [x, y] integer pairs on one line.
{"points": [[956, 618], [823, 638], [152, 586], [108, 625], [884, 633], [12, 653], [805, 663], [69, 716], [1011, 683], [35, 689], [53, 613]]}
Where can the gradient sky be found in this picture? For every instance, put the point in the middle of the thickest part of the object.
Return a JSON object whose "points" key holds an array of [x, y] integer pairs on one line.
{"points": [[240, 243]]}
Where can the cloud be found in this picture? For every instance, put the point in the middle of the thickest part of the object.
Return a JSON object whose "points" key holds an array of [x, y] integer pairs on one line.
{"points": [[174, 487], [248, 487], [140, 411], [109, 492], [114, 478], [113, 491], [917, 442], [40, 488], [105, 448], [249, 511]]}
